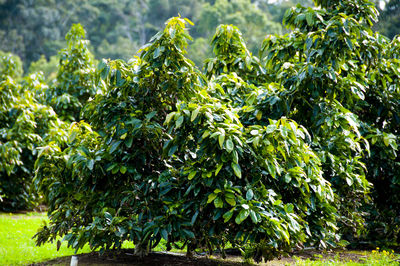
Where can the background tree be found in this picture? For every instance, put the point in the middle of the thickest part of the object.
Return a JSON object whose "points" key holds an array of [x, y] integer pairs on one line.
{"points": [[75, 82], [333, 67], [25, 125], [49, 68]]}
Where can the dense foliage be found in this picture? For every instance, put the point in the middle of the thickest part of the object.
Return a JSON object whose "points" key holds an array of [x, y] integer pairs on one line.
{"points": [[295, 146], [25, 125], [341, 82], [28, 120]]}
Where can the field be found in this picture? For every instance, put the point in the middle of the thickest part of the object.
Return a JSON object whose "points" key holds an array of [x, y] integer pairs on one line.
{"points": [[18, 248]]}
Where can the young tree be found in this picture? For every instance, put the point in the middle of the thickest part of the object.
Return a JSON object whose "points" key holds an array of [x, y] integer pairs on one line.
{"points": [[203, 179]]}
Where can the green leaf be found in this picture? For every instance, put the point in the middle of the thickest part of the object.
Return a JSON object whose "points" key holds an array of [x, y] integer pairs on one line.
{"points": [[386, 140], [218, 203], [156, 53], [73, 136], [114, 146], [230, 201], [235, 157], [349, 43], [287, 178], [254, 132], [172, 150], [123, 169], [123, 136], [289, 208], [179, 122], [194, 218], [90, 164], [253, 216], [149, 116], [309, 19], [249, 194], [243, 214], [190, 234], [258, 115], [221, 139], [271, 168], [205, 134], [104, 72], [129, 142], [111, 167], [192, 175], [270, 129], [211, 197], [219, 167], [194, 114], [229, 145], [236, 169], [164, 234], [227, 216], [169, 117]]}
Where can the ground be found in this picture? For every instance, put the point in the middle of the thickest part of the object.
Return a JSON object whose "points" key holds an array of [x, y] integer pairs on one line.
{"points": [[127, 257], [18, 248]]}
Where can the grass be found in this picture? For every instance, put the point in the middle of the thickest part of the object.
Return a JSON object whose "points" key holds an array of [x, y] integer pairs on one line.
{"points": [[18, 248], [376, 257]]}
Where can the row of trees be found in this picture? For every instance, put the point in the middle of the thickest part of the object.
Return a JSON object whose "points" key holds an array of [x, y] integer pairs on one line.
{"points": [[33, 114], [296, 146]]}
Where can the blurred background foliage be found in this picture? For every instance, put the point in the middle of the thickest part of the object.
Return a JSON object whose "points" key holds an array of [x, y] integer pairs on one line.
{"points": [[35, 30]]}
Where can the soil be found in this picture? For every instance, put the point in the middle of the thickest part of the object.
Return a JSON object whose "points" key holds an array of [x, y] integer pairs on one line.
{"points": [[127, 257]]}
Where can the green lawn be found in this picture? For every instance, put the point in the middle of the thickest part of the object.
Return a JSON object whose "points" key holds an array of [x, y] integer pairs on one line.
{"points": [[17, 246], [376, 257]]}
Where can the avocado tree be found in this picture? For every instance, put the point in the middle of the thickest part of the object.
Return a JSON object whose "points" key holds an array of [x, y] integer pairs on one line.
{"points": [[74, 84], [341, 82], [24, 126], [163, 157]]}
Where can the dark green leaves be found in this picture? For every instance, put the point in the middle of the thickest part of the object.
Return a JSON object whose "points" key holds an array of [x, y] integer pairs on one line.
{"points": [[114, 145], [243, 214]]}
